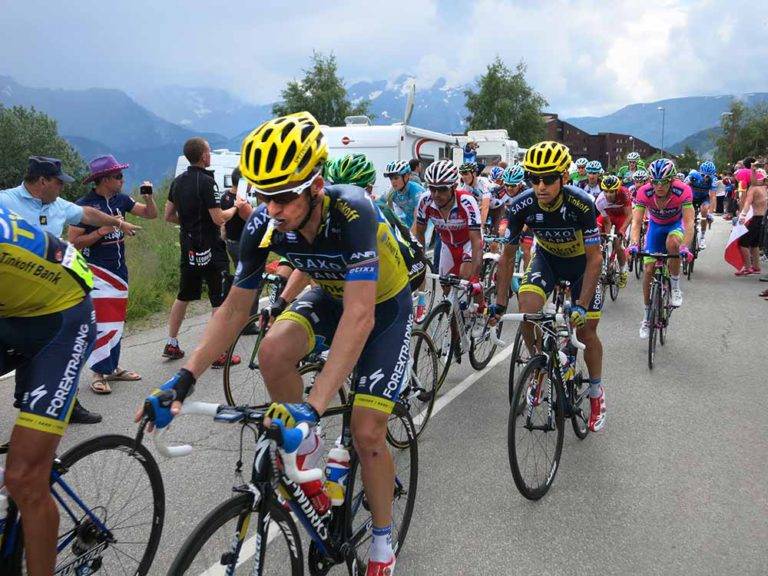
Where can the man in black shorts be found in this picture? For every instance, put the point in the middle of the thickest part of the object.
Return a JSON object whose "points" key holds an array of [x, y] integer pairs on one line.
{"points": [[193, 204], [47, 331], [563, 221]]}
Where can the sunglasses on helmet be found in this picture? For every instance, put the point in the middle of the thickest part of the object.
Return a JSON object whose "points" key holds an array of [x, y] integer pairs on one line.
{"points": [[548, 179]]}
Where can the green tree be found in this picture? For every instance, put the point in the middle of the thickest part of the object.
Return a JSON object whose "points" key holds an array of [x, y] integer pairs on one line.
{"points": [[26, 132], [687, 160], [320, 92], [745, 133], [505, 100]]}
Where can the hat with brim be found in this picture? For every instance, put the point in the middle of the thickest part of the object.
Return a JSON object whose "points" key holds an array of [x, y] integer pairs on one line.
{"points": [[102, 166], [48, 167]]}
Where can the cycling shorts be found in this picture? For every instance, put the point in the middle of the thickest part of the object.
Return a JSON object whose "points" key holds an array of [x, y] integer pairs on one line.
{"points": [[700, 199], [545, 271], [617, 221], [47, 353], [656, 237], [382, 368], [452, 257]]}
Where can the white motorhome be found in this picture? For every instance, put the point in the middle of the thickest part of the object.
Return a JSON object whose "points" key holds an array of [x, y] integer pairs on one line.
{"points": [[223, 161], [383, 144], [494, 146]]}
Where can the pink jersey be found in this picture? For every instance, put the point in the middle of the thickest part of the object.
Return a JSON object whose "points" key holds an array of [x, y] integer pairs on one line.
{"points": [[454, 230], [680, 196]]}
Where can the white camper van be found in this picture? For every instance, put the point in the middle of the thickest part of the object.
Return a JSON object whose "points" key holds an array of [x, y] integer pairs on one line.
{"points": [[223, 161], [383, 144], [494, 146]]}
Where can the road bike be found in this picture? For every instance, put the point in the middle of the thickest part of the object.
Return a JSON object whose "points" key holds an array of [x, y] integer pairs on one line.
{"points": [[455, 326], [111, 503], [254, 532], [661, 309], [609, 273], [550, 388]]}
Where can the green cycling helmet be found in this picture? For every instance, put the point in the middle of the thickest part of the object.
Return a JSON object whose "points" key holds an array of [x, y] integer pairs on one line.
{"points": [[353, 169]]}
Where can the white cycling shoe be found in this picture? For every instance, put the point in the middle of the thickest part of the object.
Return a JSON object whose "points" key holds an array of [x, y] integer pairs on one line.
{"points": [[645, 329], [677, 298]]}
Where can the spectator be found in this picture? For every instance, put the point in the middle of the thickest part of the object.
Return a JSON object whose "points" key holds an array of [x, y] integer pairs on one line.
{"points": [[470, 152], [722, 192], [37, 201], [416, 170], [104, 249], [194, 206]]}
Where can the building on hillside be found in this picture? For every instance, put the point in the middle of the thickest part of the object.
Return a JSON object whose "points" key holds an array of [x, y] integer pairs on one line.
{"points": [[608, 147]]}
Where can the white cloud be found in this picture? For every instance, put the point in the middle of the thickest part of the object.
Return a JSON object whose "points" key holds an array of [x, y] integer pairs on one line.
{"points": [[584, 56]]}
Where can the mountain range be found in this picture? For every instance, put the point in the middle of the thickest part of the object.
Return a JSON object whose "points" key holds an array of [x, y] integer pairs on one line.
{"points": [[149, 127]]}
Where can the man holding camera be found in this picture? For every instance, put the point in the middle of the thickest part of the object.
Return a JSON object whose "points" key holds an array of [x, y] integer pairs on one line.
{"points": [[104, 249]]}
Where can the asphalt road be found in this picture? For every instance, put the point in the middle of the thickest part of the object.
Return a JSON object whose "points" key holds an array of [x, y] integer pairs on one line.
{"points": [[675, 484]]}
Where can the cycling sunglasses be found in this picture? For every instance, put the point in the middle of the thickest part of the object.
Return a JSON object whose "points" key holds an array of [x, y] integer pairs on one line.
{"points": [[657, 181], [285, 197], [440, 189], [548, 180]]}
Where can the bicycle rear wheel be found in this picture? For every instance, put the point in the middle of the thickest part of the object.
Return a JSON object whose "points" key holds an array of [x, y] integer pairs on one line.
{"points": [[358, 512], [535, 430], [652, 321], [664, 311], [438, 326], [121, 485], [226, 542], [613, 284], [243, 383]]}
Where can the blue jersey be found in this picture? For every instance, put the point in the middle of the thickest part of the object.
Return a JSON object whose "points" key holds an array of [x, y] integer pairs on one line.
{"points": [[109, 251], [406, 201]]}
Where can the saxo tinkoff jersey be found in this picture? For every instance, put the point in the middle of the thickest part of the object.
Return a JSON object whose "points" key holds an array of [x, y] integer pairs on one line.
{"points": [[39, 274]]}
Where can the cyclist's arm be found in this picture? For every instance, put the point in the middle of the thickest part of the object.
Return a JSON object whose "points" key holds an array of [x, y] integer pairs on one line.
{"points": [[627, 219], [637, 222], [485, 204], [506, 268], [476, 238], [688, 219], [352, 333], [419, 231], [297, 281]]}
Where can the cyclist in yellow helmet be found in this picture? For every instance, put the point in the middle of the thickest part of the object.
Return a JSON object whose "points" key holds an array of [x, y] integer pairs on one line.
{"points": [[563, 221], [361, 308]]}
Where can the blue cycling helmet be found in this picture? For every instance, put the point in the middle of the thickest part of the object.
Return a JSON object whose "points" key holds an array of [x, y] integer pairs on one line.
{"points": [[696, 178], [496, 173], [662, 169], [594, 167], [708, 168], [513, 175], [397, 168]]}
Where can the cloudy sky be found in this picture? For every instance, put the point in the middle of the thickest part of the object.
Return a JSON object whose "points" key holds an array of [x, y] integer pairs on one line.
{"points": [[585, 57]]}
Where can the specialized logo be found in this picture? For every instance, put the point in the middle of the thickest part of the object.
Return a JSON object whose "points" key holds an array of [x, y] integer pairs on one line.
{"points": [[36, 395]]}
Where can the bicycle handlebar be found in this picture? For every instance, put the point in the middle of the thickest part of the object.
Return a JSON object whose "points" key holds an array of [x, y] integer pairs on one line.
{"points": [[659, 255], [223, 413], [536, 317]]}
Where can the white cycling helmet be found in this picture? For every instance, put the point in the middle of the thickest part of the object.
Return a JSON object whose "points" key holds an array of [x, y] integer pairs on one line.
{"points": [[441, 173]]}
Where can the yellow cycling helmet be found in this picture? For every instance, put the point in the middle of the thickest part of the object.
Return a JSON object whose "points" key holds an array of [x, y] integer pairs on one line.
{"points": [[610, 183], [283, 153], [547, 157]]}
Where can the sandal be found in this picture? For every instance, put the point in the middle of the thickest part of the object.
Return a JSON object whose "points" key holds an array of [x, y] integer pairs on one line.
{"points": [[101, 386], [123, 375]]}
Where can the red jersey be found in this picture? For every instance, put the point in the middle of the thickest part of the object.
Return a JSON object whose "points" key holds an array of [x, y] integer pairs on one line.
{"points": [[454, 230]]}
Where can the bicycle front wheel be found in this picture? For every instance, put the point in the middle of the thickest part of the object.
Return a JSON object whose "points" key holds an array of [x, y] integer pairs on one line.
{"points": [[482, 348], [119, 484], [243, 382], [519, 358], [440, 325], [227, 542], [535, 430]]}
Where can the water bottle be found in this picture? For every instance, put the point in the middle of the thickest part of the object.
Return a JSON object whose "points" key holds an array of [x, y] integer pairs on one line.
{"points": [[421, 306], [336, 473], [3, 501], [314, 489]]}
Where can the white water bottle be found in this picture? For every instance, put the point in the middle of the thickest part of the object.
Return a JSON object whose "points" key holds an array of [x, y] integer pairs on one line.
{"points": [[336, 473]]}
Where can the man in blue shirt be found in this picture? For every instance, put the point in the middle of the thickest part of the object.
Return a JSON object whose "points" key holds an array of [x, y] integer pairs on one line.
{"points": [[37, 201]]}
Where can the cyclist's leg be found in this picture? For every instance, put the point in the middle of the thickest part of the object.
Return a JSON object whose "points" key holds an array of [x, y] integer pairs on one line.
{"points": [[526, 243], [673, 242], [381, 374], [587, 334], [467, 269], [296, 332], [47, 385], [538, 281]]}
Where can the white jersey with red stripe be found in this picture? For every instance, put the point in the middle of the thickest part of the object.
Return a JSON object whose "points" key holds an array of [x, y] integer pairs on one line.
{"points": [[463, 217]]}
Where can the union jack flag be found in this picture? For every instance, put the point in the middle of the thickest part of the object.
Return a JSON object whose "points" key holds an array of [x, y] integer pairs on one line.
{"points": [[110, 300]]}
